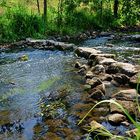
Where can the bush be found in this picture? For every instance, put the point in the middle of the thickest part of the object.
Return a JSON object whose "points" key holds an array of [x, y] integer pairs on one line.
{"points": [[18, 23]]}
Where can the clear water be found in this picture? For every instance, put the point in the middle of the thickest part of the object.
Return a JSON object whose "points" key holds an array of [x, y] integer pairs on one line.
{"points": [[128, 51], [23, 82]]}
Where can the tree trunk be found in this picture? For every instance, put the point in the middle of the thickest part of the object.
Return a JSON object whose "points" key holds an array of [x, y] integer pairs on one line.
{"points": [[38, 6], [116, 5], [45, 11]]}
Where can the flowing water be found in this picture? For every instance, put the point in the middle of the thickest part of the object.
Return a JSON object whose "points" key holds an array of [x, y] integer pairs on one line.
{"points": [[23, 84], [26, 85], [126, 51]]}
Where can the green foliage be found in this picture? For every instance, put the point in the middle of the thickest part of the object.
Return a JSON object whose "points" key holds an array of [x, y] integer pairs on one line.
{"points": [[17, 23], [64, 17]]}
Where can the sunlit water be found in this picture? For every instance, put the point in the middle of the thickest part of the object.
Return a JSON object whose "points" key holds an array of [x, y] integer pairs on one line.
{"points": [[22, 84], [128, 51]]}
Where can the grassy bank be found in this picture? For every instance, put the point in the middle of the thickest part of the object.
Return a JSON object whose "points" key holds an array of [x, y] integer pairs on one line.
{"points": [[21, 19]]}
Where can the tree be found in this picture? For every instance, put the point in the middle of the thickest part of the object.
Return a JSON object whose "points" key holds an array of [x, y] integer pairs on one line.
{"points": [[116, 5], [45, 10], [38, 6]]}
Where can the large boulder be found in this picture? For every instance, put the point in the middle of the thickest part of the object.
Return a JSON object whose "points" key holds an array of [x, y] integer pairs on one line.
{"points": [[86, 52], [105, 61], [125, 68]]}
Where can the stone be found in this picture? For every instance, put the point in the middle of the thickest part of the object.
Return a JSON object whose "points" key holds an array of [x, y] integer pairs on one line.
{"points": [[86, 52], [83, 36], [106, 77], [116, 118], [125, 68], [115, 83], [128, 105], [82, 72], [122, 79], [98, 69], [102, 88], [87, 87], [93, 55], [134, 81], [77, 65], [95, 125], [97, 95], [95, 82], [110, 45], [103, 34], [89, 75], [106, 61], [86, 67], [128, 95]]}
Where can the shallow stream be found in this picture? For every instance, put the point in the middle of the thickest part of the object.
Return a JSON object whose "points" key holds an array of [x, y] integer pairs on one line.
{"points": [[25, 87]]}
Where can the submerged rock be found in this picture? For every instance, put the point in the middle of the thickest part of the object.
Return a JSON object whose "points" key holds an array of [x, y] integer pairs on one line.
{"points": [[116, 118], [95, 125]]}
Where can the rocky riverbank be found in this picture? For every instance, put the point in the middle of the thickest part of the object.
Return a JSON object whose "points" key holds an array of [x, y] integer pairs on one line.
{"points": [[106, 78]]}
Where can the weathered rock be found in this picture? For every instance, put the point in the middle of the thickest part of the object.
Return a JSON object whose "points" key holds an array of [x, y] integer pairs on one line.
{"points": [[122, 79], [110, 45], [86, 67], [111, 69], [133, 37], [95, 125], [125, 68], [93, 56], [105, 34], [101, 87], [86, 52], [106, 61], [115, 83], [89, 75], [77, 65], [87, 87], [83, 36], [97, 95], [106, 77], [82, 72], [116, 118], [130, 106], [128, 95], [96, 82], [134, 81], [98, 69]]}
